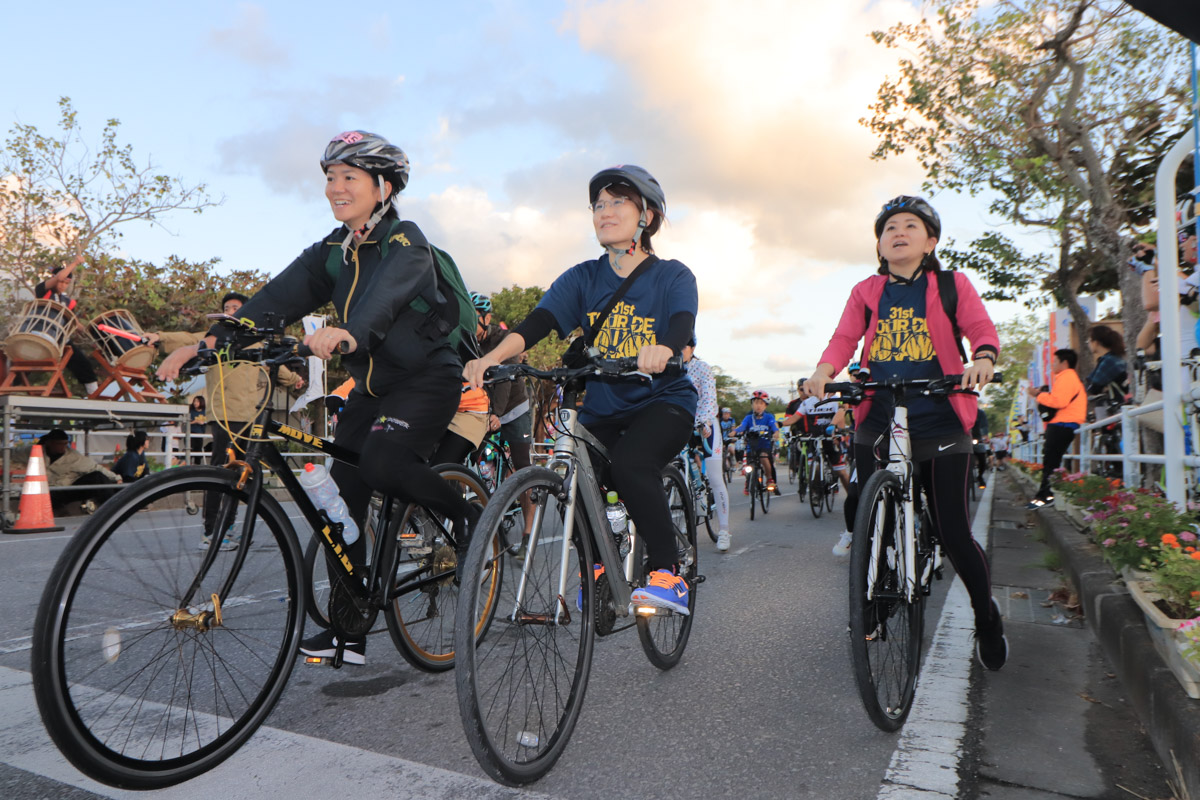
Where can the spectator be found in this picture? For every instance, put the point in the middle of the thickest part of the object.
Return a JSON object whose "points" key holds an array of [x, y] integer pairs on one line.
{"points": [[66, 466], [196, 426], [1023, 427], [132, 465], [55, 288], [1070, 400]]}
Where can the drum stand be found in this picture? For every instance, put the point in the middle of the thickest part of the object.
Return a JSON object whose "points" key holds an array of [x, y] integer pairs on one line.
{"points": [[132, 383], [17, 381]]}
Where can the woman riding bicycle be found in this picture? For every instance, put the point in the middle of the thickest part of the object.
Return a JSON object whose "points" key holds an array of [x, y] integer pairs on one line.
{"points": [[406, 371], [644, 425], [906, 333]]}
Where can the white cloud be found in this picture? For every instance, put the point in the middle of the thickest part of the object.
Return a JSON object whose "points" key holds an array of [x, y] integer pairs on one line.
{"points": [[786, 363], [248, 38], [767, 327]]}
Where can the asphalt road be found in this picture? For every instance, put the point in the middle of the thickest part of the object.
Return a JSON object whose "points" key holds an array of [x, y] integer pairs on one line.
{"points": [[763, 703]]}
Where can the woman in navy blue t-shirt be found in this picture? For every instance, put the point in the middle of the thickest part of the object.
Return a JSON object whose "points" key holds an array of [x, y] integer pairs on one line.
{"points": [[643, 425]]}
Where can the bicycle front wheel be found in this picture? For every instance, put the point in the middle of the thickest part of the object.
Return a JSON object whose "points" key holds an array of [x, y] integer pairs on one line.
{"points": [[709, 510], [816, 496], [830, 483], [885, 627], [145, 670], [664, 634], [764, 495], [521, 686], [754, 487], [421, 620]]}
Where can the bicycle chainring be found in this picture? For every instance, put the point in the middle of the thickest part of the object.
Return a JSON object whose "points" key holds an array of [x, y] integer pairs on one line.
{"points": [[606, 614], [349, 616]]}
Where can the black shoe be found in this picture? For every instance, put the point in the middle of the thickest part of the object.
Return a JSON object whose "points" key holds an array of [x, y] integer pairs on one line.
{"points": [[991, 645], [1037, 502], [324, 645]]}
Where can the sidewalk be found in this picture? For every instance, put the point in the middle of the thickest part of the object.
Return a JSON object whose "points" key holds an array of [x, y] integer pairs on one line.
{"points": [[1084, 707]]}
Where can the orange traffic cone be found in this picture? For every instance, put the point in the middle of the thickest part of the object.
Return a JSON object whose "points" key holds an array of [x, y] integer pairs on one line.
{"points": [[36, 514]]}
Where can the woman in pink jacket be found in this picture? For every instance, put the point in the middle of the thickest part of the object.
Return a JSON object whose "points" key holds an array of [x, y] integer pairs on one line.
{"points": [[898, 316]]}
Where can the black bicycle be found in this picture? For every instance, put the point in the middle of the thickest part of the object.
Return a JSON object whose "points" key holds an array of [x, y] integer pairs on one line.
{"points": [[757, 476], [154, 661], [822, 485], [521, 688]]}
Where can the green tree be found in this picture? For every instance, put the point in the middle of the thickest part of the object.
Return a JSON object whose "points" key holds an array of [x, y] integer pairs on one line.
{"points": [[1020, 339], [1053, 107], [61, 198], [511, 306]]}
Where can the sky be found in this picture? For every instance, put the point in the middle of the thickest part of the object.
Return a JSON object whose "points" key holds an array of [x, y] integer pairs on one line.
{"points": [[748, 114]]}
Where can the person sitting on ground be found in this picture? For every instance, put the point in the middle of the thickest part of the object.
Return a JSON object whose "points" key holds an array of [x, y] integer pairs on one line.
{"points": [[56, 288], [66, 466], [132, 464], [1068, 396]]}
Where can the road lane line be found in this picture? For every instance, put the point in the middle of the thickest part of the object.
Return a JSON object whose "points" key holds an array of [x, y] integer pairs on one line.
{"points": [[925, 763], [273, 764]]}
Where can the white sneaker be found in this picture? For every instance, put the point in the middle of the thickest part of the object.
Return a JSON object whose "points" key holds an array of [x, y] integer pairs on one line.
{"points": [[842, 548], [723, 538]]}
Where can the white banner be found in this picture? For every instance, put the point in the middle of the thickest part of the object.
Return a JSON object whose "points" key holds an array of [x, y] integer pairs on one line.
{"points": [[314, 388]]}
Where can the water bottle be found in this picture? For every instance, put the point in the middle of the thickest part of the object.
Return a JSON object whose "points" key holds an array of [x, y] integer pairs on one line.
{"points": [[324, 493], [618, 521]]}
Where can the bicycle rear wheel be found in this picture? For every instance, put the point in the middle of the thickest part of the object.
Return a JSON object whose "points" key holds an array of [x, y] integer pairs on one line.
{"points": [[664, 635], [421, 621], [885, 628], [138, 687], [521, 686]]}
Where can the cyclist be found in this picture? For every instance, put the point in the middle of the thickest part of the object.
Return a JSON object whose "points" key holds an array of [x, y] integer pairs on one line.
{"points": [[906, 333], [643, 425], [764, 424], [406, 371], [701, 375]]}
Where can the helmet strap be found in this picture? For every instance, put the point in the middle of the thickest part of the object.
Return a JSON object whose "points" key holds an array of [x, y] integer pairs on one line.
{"points": [[377, 215], [615, 253]]}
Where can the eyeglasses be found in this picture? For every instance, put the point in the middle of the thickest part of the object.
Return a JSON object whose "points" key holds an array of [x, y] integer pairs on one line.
{"points": [[602, 205]]}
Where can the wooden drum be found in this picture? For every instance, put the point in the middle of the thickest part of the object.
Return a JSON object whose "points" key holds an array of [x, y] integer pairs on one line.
{"points": [[127, 350], [41, 333]]}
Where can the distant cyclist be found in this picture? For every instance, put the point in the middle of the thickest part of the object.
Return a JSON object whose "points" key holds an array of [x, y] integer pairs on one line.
{"points": [[702, 376], [819, 418], [898, 316], [763, 447]]}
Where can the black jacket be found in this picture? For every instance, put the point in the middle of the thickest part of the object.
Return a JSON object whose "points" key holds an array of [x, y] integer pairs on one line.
{"points": [[372, 295]]}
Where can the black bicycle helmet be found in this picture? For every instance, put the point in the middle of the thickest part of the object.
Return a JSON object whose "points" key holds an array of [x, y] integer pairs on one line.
{"points": [[912, 205], [630, 175], [370, 152]]}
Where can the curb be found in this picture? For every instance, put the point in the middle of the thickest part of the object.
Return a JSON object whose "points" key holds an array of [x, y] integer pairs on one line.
{"points": [[1171, 717]]}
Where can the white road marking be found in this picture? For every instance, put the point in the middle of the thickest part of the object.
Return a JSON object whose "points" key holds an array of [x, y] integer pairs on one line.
{"points": [[925, 763]]}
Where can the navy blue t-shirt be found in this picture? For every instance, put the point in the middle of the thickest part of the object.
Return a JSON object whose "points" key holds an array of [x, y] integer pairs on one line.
{"points": [[902, 348], [641, 318]]}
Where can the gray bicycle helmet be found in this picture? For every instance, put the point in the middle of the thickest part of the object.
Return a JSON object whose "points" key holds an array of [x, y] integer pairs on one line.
{"points": [[640, 181], [912, 205], [370, 152]]}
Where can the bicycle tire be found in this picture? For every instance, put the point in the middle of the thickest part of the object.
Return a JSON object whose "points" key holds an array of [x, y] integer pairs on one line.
{"points": [[830, 483], [664, 636], [816, 497], [885, 631], [709, 505], [509, 671], [764, 496], [421, 623], [793, 467], [134, 693], [753, 490]]}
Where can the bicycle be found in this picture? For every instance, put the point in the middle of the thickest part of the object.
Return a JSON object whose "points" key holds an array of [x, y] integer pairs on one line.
{"points": [[752, 466], [822, 485], [798, 449], [154, 661], [703, 502], [521, 689], [729, 463], [492, 460], [893, 561]]}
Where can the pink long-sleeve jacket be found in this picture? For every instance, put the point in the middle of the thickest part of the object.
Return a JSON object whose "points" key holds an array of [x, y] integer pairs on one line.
{"points": [[857, 325]]}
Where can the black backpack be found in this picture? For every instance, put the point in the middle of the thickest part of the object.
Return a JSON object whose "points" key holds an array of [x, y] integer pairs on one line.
{"points": [[948, 292]]}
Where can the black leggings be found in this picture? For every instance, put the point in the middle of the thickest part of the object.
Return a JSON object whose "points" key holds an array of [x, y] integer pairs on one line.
{"points": [[452, 449], [945, 480], [1058, 440], [639, 448], [394, 434]]}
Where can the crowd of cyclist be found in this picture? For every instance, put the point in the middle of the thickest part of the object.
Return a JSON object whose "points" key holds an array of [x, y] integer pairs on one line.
{"points": [[417, 400]]}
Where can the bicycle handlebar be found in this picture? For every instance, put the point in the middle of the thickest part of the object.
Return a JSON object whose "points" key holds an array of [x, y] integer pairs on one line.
{"points": [[625, 367], [946, 385]]}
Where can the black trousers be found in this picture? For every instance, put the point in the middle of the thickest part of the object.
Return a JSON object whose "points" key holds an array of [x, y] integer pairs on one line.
{"points": [[638, 449], [60, 498], [394, 435], [1058, 440], [220, 444], [945, 480]]}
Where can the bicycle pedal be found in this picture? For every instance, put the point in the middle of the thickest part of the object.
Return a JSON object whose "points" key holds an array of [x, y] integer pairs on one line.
{"points": [[699, 579], [319, 661], [417, 550]]}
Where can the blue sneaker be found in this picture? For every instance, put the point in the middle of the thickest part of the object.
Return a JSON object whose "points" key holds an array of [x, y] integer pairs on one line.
{"points": [[664, 590], [597, 571]]}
